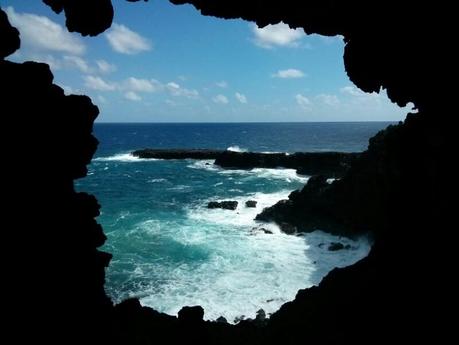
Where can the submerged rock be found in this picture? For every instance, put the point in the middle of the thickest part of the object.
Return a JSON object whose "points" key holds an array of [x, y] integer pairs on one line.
{"points": [[261, 315], [257, 229], [239, 319], [334, 246], [226, 205]]}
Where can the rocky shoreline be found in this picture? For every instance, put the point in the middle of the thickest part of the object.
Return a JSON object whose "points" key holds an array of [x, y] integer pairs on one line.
{"points": [[330, 164]]}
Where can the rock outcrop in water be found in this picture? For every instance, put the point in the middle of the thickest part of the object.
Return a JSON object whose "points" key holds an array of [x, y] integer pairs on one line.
{"points": [[306, 163], [226, 205], [251, 203], [177, 153], [404, 291], [331, 164]]}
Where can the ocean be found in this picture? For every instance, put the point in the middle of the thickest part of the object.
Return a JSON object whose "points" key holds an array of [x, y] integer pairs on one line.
{"points": [[169, 250]]}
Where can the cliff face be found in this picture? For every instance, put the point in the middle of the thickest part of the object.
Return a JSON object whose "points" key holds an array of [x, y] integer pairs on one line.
{"points": [[399, 190]]}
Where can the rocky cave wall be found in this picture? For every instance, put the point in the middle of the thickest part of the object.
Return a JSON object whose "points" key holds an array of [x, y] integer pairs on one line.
{"points": [[398, 190]]}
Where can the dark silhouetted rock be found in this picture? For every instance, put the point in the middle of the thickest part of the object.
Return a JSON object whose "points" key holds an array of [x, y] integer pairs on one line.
{"points": [[10, 36], [97, 14], [254, 230], [177, 153], [288, 228], [191, 315], [226, 205], [250, 203], [261, 316], [221, 319], [308, 209], [332, 164], [239, 319]]}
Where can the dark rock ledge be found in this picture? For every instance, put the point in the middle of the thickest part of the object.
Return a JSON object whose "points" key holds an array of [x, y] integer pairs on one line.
{"points": [[330, 164]]}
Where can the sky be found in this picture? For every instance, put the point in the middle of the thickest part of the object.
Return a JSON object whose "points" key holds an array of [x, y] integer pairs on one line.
{"points": [[164, 63]]}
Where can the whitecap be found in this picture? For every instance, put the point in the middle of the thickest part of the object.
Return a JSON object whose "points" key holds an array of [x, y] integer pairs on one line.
{"points": [[288, 175], [122, 157], [236, 148], [205, 164], [157, 180]]}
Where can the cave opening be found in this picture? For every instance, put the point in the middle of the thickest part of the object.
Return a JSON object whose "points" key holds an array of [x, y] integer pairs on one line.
{"points": [[133, 89]]}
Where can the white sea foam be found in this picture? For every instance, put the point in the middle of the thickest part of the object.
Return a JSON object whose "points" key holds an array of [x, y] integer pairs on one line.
{"points": [[205, 164], [157, 180], [242, 216], [227, 262], [246, 269], [122, 157], [236, 149], [288, 175]]}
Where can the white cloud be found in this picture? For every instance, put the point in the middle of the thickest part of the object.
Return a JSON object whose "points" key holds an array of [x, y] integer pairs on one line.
{"points": [[303, 102], [125, 41], [223, 84], [289, 74], [132, 96], [357, 96], [279, 35], [173, 86], [97, 83], [68, 90], [170, 102], [330, 100], [220, 99], [76, 62], [105, 67], [240, 97], [352, 91], [142, 85], [53, 62], [176, 90], [39, 33], [101, 99]]}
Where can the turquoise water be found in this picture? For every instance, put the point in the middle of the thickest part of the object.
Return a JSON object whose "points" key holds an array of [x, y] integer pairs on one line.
{"points": [[170, 250]]}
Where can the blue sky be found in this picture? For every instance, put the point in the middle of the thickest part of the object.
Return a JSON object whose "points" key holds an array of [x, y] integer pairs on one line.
{"points": [[166, 63]]}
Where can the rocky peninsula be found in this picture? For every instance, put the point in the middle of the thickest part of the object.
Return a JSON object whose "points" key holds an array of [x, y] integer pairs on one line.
{"points": [[330, 164]]}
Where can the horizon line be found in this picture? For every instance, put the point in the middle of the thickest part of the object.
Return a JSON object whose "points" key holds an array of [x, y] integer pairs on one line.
{"points": [[240, 122]]}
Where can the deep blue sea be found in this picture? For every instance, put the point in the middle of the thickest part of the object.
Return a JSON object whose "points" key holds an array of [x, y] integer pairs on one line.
{"points": [[169, 250]]}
